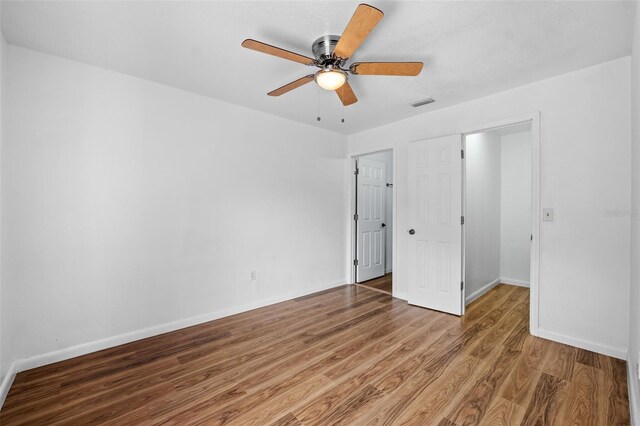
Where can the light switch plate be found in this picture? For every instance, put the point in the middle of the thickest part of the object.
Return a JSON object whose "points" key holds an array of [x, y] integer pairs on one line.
{"points": [[547, 215]]}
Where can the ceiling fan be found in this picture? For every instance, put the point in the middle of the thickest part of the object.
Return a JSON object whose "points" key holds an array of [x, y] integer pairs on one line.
{"points": [[331, 54]]}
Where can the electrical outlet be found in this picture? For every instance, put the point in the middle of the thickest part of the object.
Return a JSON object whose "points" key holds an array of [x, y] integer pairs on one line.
{"points": [[253, 276]]}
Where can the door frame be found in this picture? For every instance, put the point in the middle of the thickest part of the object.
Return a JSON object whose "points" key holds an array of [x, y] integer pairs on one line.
{"points": [[351, 234], [534, 281]]}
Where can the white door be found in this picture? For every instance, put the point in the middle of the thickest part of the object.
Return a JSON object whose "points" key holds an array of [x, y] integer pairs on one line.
{"points": [[370, 220], [435, 234]]}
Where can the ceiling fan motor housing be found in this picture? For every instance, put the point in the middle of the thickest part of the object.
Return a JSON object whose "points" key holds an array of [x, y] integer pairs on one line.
{"points": [[323, 48]]}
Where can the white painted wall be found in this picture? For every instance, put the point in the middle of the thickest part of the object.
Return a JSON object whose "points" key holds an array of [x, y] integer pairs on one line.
{"points": [[634, 326], [127, 204], [584, 170], [515, 208], [387, 158], [3, 331], [482, 212]]}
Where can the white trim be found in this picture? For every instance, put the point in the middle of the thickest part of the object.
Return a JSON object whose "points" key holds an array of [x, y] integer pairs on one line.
{"points": [[7, 382], [463, 231], [351, 210], [534, 118], [394, 226], [513, 281], [485, 288], [632, 384], [535, 225], [109, 342], [493, 125], [619, 353]]}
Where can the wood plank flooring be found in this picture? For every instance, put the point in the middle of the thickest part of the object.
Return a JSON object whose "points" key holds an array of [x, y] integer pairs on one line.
{"points": [[344, 356], [383, 283]]}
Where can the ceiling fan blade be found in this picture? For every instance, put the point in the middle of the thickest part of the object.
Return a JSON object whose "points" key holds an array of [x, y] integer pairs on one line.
{"points": [[386, 68], [346, 95], [259, 46], [364, 19], [293, 85]]}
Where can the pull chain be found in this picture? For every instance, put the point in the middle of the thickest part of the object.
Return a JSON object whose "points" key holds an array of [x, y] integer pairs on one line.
{"points": [[318, 104], [342, 89]]}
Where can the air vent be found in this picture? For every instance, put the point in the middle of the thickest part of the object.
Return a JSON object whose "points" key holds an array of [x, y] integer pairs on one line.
{"points": [[426, 101]]}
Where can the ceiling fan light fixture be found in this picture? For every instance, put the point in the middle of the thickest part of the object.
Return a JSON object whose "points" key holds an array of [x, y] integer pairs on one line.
{"points": [[331, 79], [331, 54]]}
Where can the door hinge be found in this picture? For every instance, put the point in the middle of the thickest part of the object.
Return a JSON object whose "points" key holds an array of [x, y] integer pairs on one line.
{"points": [[531, 237], [355, 216], [461, 285], [461, 220], [355, 262], [356, 171], [462, 153]]}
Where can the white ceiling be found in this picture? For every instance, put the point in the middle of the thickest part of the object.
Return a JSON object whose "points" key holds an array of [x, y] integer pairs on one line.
{"points": [[470, 49]]}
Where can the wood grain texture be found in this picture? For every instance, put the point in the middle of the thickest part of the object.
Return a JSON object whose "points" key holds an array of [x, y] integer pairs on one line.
{"points": [[503, 413], [383, 283], [585, 398], [410, 69], [346, 95], [546, 402], [346, 356], [290, 86], [259, 46], [364, 19]]}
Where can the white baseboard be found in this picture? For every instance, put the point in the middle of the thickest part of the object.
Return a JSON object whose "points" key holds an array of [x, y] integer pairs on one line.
{"points": [[387, 270], [473, 296], [513, 281], [620, 353], [7, 382], [632, 384], [109, 342]]}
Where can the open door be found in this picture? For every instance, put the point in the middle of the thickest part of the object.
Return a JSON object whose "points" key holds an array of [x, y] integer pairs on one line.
{"points": [[371, 199], [435, 219]]}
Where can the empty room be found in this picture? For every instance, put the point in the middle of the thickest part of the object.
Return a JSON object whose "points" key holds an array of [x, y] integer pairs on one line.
{"points": [[319, 212]]}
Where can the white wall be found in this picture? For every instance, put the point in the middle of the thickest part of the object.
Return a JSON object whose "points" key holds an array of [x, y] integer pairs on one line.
{"points": [[584, 170], [127, 204], [515, 208], [482, 212], [387, 158], [3, 347], [634, 332]]}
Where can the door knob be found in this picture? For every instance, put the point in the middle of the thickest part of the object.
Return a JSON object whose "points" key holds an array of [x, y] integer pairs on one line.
{"points": [[411, 231], [383, 225]]}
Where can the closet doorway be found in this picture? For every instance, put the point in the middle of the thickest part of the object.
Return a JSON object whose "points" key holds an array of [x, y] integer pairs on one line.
{"points": [[498, 209]]}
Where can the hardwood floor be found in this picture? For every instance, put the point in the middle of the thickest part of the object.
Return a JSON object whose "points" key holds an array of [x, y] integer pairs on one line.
{"points": [[384, 283], [343, 356]]}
